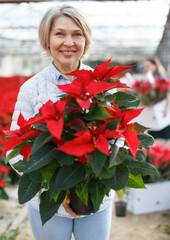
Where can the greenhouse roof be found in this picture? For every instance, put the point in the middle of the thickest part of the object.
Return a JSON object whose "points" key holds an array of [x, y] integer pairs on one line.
{"points": [[125, 30]]}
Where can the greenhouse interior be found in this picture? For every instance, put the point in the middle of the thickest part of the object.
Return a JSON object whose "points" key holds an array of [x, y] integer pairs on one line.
{"points": [[126, 116]]}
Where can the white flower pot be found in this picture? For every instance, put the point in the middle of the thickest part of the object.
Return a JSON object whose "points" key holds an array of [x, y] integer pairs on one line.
{"points": [[153, 199]]}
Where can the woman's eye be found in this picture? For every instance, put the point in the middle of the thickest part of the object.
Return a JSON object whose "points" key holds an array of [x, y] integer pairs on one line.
{"points": [[59, 34], [77, 34]]}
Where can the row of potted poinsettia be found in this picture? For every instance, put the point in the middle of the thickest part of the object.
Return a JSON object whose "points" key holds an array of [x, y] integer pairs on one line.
{"points": [[74, 143], [9, 87]]}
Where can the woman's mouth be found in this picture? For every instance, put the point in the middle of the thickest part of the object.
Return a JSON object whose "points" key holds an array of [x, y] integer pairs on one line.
{"points": [[68, 53]]}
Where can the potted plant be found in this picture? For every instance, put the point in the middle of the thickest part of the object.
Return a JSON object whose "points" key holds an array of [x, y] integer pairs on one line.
{"points": [[74, 144], [154, 96], [156, 198], [120, 204], [149, 93]]}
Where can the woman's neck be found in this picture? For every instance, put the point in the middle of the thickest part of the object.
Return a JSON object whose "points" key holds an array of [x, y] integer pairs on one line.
{"points": [[66, 69]]}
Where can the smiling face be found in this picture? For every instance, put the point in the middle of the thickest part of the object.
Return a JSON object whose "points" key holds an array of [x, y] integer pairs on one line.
{"points": [[67, 44]]}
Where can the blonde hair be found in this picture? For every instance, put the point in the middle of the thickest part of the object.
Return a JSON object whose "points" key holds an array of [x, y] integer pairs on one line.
{"points": [[160, 70], [50, 16]]}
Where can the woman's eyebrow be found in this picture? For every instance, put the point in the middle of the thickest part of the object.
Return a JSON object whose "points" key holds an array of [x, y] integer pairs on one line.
{"points": [[63, 29]]}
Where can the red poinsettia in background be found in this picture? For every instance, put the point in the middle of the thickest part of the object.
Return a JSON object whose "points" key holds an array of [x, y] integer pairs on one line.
{"points": [[9, 87], [4, 180], [159, 155], [149, 93]]}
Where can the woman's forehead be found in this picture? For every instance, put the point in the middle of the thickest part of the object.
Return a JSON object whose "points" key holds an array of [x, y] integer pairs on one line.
{"points": [[65, 22]]}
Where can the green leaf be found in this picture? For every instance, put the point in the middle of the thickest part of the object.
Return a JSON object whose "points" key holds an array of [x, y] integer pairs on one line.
{"points": [[20, 165], [97, 193], [127, 105], [49, 170], [140, 156], [49, 207], [119, 180], [139, 128], [64, 158], [36, 176], [97, 160], [6, 138], [111, 125], [43, 138], [27, 188], [123, 97], [139, 167], [145, 140], [107, 172], [120, 192], [3, 194], [40, 158], [41, 126], [69, 117], [99, 112], [15, 152], [135, 181], [82, 193], [117, 156], [67, 177]]}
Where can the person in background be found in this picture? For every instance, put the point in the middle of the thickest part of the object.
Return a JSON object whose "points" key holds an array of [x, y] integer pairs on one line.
{"points": [[65, 35], [154, 66]]}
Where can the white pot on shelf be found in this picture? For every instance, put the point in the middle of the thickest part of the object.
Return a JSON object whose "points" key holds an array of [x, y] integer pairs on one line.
{"points": [[153, 199]]}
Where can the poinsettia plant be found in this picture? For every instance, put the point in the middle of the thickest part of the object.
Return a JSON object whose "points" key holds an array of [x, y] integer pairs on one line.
{"points": [[151, 93], [159, 156], [75, 143]]}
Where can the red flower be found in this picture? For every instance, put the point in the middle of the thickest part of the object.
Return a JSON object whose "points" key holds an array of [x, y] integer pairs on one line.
{"points": [[160, 154], [4, 170], [124, 128], [142, 86], [26, 151], [82, 159], [52, 114], [102, 72], [161, 85], [84, 87], [2, 183], [18, 136], [86, 142]]}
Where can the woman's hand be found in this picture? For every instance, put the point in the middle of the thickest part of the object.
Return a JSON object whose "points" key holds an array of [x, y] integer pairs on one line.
{"points": [[66, 205]]}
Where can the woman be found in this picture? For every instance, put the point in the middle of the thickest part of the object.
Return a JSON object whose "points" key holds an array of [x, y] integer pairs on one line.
{"points": [[65, 34], [156, 68]]}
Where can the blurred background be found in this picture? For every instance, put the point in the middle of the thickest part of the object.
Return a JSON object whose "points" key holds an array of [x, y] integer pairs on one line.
{"points": [[129, 32]]}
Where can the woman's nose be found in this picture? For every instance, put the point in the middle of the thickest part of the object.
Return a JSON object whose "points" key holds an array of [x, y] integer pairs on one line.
{"points": [[68, 41]]}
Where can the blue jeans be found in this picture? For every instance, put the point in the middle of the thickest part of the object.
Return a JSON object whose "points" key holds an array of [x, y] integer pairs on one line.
{"points": [[93, 227]]}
